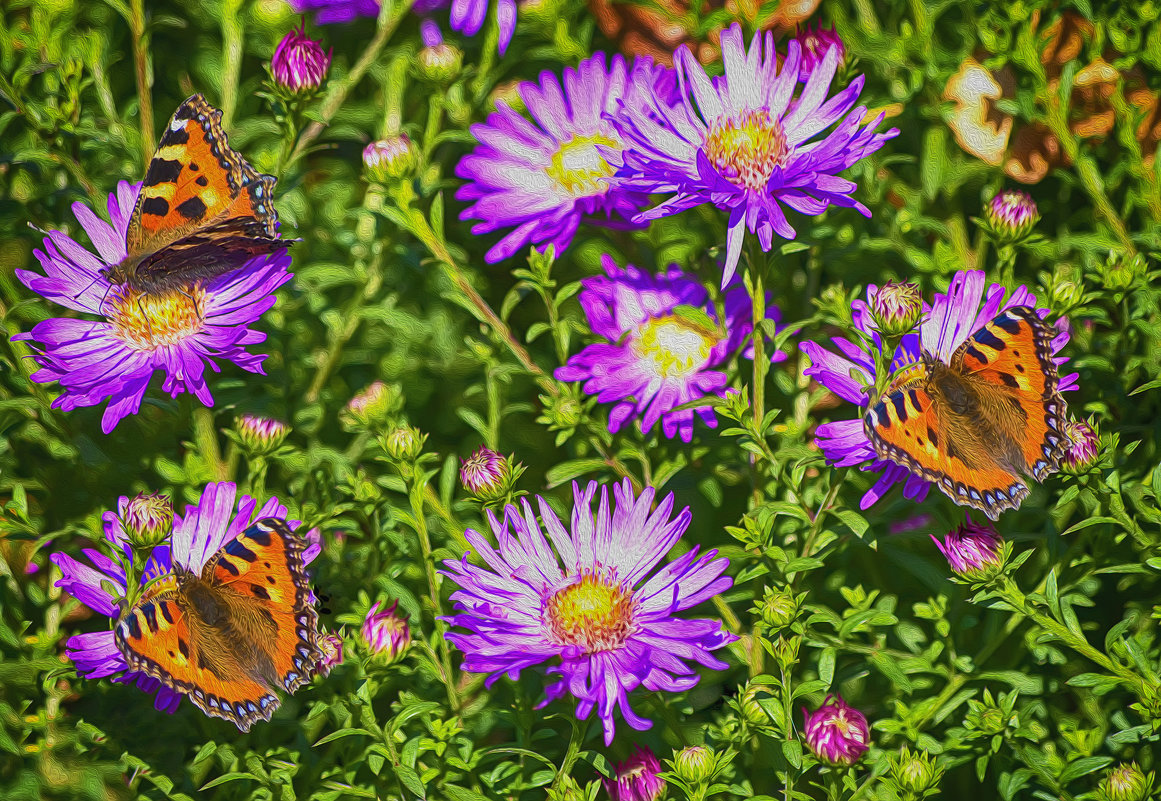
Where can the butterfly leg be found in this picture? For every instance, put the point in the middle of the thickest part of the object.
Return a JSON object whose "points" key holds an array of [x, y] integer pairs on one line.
{"points": [[193, 302], [145, 317]]}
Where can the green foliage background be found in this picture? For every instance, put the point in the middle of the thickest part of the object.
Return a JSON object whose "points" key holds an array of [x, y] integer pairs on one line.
{"points": [[1026, 689]]}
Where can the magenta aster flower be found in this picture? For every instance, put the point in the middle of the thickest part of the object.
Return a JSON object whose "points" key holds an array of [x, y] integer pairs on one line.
{"points": [[815, 44], [745, 143], [587, 600], [484, 472], [541, 177], [299, 62], [386, 633], [636, 778], [835, 732], [197, 535], [946, 324], [661, 341], [178, 332], [971, 548]]}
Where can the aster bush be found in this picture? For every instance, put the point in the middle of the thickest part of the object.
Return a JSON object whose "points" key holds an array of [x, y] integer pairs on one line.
{"points": [[566, 375]]}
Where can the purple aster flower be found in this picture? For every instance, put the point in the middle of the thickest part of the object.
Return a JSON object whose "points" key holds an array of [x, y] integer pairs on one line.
{"points": [[745, 143], [1084, 446], [946, 324], [299, 63], [835, 732], [588, 601], [661, 341], [1011, 215], [541, 177], [178, 332], [467, 16], [972, 549], [336, 10], [197, 535]]}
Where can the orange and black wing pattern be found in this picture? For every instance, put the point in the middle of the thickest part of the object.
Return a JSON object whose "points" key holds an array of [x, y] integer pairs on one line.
{"points": [[1013, 353], [265, 584], [163, 636], [203, 210]]}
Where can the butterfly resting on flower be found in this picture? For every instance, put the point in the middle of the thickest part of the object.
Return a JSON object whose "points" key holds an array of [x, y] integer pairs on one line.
{"points": [[203, 211], [227, 636], [978, 424]]}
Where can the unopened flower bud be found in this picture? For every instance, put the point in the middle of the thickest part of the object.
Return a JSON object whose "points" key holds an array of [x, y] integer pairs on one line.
{"points": [[973, 550], [148, 520], [1127, 783], [916, 774], [299, 63], [835, 732], [386, 634], [1010, 216], [815, 44], [1121, 274], [404, 443], [331, 646], [390, 159], [260, 435], [779, 609], [695, 764], [438, 61], [1084, 447], [373, 406], [565, 788], [752, 710], [485, 474], [636, 778], [896, 308]]}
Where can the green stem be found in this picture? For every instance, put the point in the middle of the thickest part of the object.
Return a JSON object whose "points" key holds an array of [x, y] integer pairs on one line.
{"points": [[231, 57], [573, 752], [206, 441], [141, 72]]}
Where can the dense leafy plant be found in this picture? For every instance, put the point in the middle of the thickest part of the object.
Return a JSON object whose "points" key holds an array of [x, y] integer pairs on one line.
{"points": [[439, 319]]}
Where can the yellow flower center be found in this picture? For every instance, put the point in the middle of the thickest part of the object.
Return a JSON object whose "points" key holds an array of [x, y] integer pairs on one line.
{"points": [[675, 347], [148, 322], [577, 167], [747, 148], [591, 613]]}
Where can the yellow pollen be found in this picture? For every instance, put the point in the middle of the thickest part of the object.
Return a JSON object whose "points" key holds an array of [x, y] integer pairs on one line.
{"points": [[746, 149], [676, 347], [590, 613], [577, 167], [151, 321]]}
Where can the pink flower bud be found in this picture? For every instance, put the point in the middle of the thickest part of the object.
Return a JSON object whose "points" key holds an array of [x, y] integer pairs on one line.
{"points": [[299, 62], [636, 778], [836, 733], [971, 549]]}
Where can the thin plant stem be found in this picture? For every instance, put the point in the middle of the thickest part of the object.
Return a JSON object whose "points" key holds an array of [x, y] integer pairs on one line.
{"points": [[144, 80], [231, 57]]}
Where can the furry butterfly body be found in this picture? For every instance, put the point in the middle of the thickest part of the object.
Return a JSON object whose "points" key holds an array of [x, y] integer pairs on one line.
{"points": [[979, 424], [203, 211], [229, 635]]}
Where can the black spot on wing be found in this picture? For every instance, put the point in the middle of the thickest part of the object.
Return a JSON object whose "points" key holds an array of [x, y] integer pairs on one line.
{"points": [[192, 208], [986, 338], [881, 416], [238, 550], [157, 206], [914, 397], [1008, 322], [178, 137], [134, 627], [976, 353], [203, 663], [183, 646], [162, 171], [1009, 380], [900, 407], [165, 613], [259, 535], [260, 592], [229, 567], [931, 436], [150, 613], [202, 180]]}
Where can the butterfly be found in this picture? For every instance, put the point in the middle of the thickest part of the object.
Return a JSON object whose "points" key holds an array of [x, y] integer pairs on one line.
{"points": [[203, 211], [228, 636], [980, 423]]}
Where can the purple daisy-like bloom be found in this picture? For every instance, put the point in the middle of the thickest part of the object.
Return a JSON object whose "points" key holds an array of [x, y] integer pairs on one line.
{"points": [[178, 332], [588, 600], [541, 177], [745, 142], [815, 44], [661, 341], [197, 535], [946, 324]]}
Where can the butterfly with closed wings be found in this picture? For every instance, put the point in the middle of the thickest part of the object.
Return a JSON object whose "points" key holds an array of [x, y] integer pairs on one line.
{"points": [[228, 636], [979, 424]]}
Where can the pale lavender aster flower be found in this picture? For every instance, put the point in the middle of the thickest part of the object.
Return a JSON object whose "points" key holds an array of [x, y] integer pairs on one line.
{"points": [[636, 778], [946, 324], [178, 332], [299, 62], [542, 177], [386, 633], [971, 548], [835, 732], [588, 601], [661, 343], [745, 142], [218, 518], [815, 44]]}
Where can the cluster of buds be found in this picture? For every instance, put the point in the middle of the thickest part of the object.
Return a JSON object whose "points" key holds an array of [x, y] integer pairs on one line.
{"points": [[1010, 217], [148, 520], [299, 64], [390, 160], [374, 407], [386, 634], [636, 779], [260, 436], [489, 476], [836, 733], [975, 551], [897, 308]]}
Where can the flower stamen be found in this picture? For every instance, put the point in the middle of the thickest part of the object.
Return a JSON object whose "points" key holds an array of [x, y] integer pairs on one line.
{"points": [[593, 613], [147, 322], [577, 166], [673, 347], [747, 148]]}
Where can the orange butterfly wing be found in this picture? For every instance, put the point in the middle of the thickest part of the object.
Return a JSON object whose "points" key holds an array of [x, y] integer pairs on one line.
{"points": [[264, 566], [1014, 353], [161, 637], [202, 211], [906, 427]]}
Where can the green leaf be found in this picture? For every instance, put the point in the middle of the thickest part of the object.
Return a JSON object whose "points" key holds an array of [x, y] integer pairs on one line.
{"points": [[792, 751], [343, 733], [567, 471], [461, 793], [230, 777]]}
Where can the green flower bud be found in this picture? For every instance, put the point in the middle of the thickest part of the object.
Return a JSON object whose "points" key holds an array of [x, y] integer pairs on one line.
{"points": [[779, 609], [260, 435], [1127, 783], [695, 764], [389, 160], [896, 308], [916, 774], [148, 520], [405, 443]]}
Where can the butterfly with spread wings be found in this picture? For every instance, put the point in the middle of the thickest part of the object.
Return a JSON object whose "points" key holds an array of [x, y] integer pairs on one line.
{"points": [[979, 424]]}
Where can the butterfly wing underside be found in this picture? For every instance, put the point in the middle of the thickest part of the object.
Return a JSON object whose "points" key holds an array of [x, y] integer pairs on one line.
{"points": [[1005, 375], [203, 210]]}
